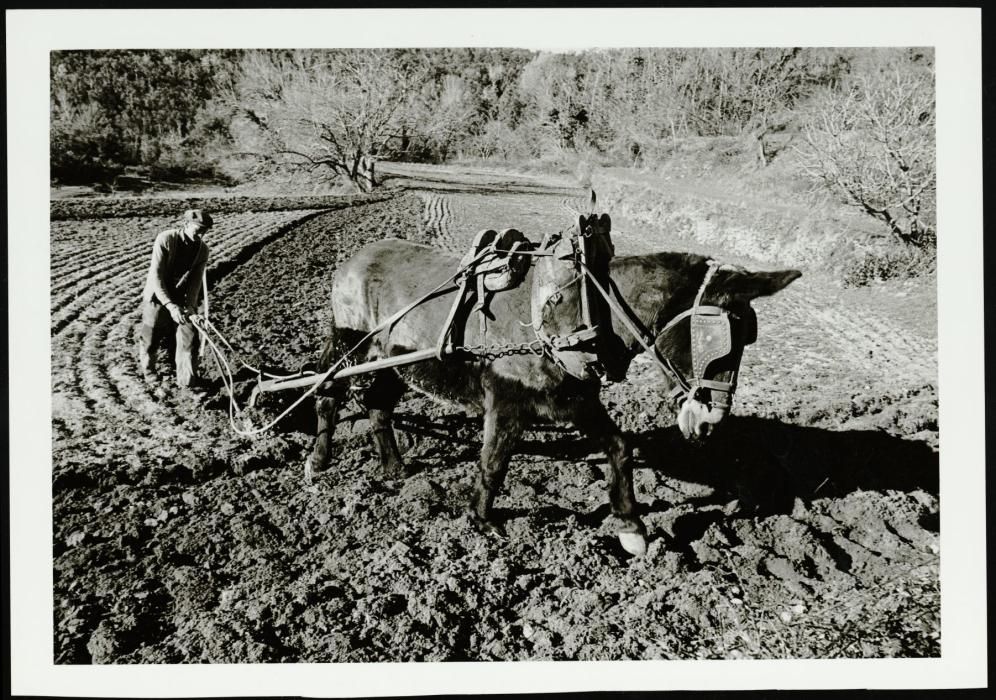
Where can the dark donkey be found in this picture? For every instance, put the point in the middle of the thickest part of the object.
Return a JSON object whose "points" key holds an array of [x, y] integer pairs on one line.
{"points": [[512, 390]]}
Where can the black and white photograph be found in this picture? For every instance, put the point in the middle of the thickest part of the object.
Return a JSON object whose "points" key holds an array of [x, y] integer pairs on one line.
{"points": [[429, 350]]}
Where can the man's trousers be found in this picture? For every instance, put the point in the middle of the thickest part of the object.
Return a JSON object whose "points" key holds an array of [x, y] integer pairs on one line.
{"points": [[156, 326]]}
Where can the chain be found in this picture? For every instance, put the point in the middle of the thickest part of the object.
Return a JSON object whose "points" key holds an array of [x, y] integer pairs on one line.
{"points": [[496, 350]]}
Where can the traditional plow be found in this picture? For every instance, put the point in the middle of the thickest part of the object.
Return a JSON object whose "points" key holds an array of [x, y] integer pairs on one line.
{"points": [[571, 303]]}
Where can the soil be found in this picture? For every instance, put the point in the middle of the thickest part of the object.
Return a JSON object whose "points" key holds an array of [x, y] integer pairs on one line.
{"points": [[809, 528]]}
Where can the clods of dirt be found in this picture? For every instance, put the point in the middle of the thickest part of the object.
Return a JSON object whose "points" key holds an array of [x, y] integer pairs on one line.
{"points": [[809, 529]]}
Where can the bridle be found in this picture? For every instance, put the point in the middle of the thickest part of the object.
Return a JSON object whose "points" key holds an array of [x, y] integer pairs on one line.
{"points": [[593, 349], [711, 340]]}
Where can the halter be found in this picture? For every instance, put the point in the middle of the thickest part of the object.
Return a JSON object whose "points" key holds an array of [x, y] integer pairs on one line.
{"points": [[591, 348]]}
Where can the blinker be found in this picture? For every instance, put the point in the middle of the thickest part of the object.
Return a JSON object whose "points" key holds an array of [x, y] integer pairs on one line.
{"points": [[711, 340]]}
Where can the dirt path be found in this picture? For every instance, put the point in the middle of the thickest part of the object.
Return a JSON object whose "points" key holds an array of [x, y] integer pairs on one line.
{"points": [[812, 530]]}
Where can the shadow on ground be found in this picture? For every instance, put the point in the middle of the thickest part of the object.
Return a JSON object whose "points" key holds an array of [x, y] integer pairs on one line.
{"points": [[767, 464]]}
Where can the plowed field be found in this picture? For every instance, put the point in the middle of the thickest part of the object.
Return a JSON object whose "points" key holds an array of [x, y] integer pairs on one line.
{"points": [[809, 530]]}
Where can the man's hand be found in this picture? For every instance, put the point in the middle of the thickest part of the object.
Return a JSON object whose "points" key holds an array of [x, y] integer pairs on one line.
{"points": [[178, 313]]}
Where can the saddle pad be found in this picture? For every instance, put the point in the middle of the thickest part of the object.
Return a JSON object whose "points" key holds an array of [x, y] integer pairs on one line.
{"points": [[504, 265]]}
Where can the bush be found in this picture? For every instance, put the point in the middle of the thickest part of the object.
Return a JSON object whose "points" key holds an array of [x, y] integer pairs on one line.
{"points": [[77, 152], [887, 265]]}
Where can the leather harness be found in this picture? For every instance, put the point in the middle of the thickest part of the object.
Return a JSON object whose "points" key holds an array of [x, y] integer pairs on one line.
{"points": [[500, 261]]}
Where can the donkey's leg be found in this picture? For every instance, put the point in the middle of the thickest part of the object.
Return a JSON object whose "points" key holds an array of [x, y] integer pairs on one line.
{"points": [[328, 401], [592, 418], [326, 411], [380, 400], [503, 425]]}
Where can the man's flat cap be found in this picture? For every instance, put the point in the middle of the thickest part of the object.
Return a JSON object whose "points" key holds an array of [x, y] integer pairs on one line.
{"points": [[199, 216]]}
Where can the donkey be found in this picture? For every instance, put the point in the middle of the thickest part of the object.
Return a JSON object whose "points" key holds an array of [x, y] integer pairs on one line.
{"points": [[511, 390]]}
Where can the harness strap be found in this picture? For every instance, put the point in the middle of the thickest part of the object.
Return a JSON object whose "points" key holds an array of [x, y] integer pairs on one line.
{"points": [[724, 389], [712, 384], [696, 310], [634, 326], [641, 335], [450, 328], [713, 266]]}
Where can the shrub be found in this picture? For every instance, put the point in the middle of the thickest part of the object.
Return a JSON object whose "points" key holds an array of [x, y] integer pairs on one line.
{"points": [[885, 265]]}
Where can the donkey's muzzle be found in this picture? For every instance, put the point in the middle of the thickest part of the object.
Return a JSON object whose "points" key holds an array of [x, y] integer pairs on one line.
{"points": [[698, 421]]}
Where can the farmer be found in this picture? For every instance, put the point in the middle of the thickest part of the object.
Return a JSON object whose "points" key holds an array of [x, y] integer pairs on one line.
{"points": [[172, 291]]}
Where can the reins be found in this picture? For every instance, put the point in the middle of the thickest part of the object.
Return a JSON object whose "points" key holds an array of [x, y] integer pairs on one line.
{"points": [[636, 329], [649, 342]]}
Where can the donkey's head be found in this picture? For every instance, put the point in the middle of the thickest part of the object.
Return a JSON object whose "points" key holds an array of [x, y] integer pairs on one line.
{"points": [[704, 342]]}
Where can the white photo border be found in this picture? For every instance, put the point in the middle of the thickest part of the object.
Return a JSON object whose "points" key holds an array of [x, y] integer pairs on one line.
{"points": [[955, 35]]}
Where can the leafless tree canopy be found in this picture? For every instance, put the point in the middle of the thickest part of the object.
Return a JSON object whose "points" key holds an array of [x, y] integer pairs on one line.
{"points": [[326, 112], [874, 145], [861, 120]]}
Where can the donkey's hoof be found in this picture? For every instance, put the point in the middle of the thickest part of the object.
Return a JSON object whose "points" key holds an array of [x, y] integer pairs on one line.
{"points": [[487, 527], [394, 471], [633, 542], [494, 531], [310, 469]]}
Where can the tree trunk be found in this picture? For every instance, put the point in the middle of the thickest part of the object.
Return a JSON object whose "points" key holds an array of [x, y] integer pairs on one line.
{"points": [[894, 226], [367, 175]]}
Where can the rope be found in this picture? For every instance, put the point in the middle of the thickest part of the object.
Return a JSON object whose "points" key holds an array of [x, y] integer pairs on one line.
{"points": [[210, 326], [204, 284], [206, 327], [229, 381], [713, 266]]}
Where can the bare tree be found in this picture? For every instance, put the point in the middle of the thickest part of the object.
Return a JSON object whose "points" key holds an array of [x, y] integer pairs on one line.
{"points": [[653, 96], [326, 112], [746, 93], [874, 145]]}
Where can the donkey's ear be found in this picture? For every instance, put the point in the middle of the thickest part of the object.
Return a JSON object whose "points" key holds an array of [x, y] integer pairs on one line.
{"points": [[605, 223], [761, 284], [765, 284], [591, 204]]}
